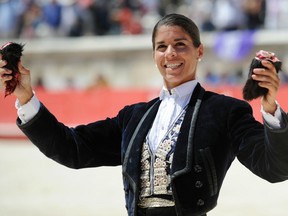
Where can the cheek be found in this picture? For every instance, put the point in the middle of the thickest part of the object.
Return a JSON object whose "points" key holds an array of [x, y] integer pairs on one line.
{"points": [[158, 56]]}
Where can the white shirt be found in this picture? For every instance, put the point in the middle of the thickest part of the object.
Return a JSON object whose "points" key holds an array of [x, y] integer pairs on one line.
{"points": [[173, 102]]}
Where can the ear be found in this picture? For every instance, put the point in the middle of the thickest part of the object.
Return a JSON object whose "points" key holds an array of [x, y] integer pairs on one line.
{"points": [[200, 52]]}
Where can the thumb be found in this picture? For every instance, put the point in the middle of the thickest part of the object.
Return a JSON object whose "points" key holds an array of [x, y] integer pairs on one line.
{"points": [[22, 69]]}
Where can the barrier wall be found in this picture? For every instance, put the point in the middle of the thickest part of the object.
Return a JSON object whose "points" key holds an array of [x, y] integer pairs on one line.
{"points": [[126, 61], [80, 107]]}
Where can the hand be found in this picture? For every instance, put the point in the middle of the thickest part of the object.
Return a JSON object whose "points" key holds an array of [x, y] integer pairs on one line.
{"points": [[268, 78], [23, 90]]}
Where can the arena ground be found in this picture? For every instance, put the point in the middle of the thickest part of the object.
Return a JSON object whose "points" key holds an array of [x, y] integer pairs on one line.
{"points": [[32, 185]]}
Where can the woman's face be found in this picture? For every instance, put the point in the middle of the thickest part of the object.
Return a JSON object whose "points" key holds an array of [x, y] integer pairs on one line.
{"points": [[175, 55]]}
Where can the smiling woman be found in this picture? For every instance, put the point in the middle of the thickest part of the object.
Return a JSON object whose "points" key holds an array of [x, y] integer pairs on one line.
{"points": [[175, 55], [177, 49], [176, 149]]}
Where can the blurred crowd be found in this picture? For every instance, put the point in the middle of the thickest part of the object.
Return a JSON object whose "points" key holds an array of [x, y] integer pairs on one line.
{"points": [[75, 18]]}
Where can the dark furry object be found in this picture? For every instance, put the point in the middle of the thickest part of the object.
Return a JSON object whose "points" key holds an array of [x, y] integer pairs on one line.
{"points": [[251, 88], [11, 52]]}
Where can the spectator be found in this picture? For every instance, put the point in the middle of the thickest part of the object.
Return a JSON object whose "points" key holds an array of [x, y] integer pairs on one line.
{"points": [[101, 17], [254, 11], [71, 22], [36, 18], [52, 15], [228, 15], [31, 20], [276, 14], [125, 19], [10, 11]]}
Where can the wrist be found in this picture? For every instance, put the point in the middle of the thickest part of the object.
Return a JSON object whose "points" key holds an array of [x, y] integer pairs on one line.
{"points": [[270, 108], [25, 98]]}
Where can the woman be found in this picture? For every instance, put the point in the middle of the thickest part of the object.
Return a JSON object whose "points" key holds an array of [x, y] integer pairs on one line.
{"points": [[176, 149]]}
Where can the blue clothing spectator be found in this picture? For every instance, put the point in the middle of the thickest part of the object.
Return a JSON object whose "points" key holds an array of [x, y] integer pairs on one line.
{"points": [[8, 15], [52, 14]]}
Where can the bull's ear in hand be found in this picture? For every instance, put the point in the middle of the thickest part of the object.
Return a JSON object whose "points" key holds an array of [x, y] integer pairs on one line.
{"points": [[251, 89], [11, 52]]}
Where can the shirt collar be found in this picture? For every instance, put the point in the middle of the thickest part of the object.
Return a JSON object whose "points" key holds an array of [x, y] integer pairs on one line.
{"points": [[179, 91]]}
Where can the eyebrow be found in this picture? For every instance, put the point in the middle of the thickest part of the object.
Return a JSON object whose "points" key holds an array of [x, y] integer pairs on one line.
{"points": [[175, 40]]}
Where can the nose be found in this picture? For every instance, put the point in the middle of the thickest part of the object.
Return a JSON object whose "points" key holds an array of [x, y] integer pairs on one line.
{"points": [[170, 51]]}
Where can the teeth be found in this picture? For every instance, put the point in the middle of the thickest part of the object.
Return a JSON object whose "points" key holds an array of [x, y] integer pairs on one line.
{"points": [[172, 65]]}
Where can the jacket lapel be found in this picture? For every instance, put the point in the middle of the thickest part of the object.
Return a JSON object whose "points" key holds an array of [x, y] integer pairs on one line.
{"points": [[182, 159], [131, 162]]}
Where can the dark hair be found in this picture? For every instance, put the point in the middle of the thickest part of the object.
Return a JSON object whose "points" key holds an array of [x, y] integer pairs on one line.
{"points": [[178, 20]]}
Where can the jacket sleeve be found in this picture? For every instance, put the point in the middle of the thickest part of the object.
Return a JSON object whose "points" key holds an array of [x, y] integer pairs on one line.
{"points": [[266, 155], [95, 144]]}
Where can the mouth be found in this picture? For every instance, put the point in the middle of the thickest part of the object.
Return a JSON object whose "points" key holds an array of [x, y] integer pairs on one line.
{"points": [[173, 66]]}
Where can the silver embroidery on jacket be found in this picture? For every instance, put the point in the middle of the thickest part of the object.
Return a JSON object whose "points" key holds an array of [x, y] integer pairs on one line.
{"points": [[155, 168]]}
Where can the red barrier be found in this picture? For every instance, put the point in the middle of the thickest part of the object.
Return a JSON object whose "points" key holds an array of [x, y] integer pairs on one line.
{"points": [[80, 107]]}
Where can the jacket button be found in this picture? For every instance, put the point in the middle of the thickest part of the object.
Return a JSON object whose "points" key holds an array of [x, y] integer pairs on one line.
{"points": [[198, 184], [197, 168], [200, 202]]}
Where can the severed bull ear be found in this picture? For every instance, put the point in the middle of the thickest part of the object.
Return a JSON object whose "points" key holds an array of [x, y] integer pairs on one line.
{"points": [[251, 89], [11, 52]]}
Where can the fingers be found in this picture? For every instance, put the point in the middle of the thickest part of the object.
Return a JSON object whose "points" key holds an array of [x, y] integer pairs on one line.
{"points": [[3, 70], [267, 78], [4, 73], [268, 65], [2, 63]]}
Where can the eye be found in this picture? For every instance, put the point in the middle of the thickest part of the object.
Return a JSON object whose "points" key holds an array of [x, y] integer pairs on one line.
{"points": [[179, 44], [161, 47]]}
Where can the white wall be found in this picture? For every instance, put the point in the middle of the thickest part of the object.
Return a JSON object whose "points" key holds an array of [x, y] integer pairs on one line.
{"points": [[126, 61]]}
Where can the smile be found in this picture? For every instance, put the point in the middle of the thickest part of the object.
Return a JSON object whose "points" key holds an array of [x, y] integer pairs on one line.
{"points": [[173, 66]]}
